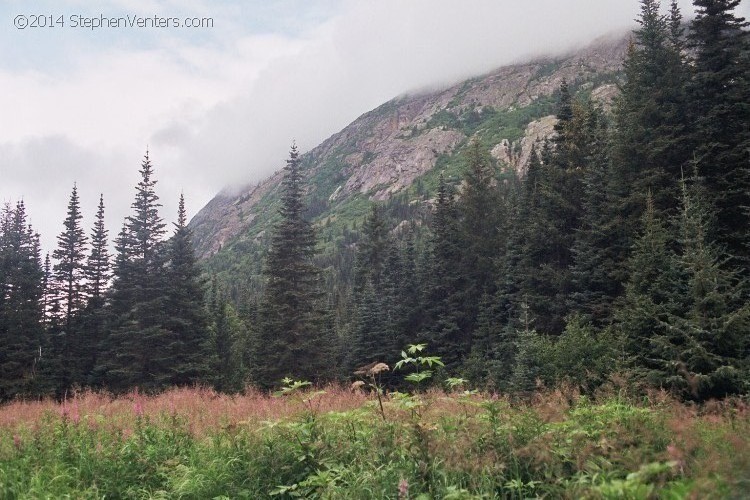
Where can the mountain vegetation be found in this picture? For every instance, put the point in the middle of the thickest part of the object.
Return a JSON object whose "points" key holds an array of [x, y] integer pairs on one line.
{"points": [[525, 249]]}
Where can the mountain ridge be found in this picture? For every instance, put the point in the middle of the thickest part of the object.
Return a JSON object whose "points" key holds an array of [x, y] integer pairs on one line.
{"points": [[386, 150]]}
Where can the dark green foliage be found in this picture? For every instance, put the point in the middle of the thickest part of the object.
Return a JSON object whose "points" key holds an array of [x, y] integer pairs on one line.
{"points": [[70, 294], [492, 352], [372, 340], [186, 319], [97, 270], [706, 349], [550, 213], [651, 139], [94, 318], [582, 354], [23, 352], [371, 251], [684, 317], [720, 106], [480, 210], [594, 272], [444, 281], [653, 295], [136, 350], [228, 343], [526, 365], [69, 271], [292, 338]]}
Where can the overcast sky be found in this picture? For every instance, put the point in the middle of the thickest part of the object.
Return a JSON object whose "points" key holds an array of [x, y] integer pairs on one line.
{"points": [[220, 105]]}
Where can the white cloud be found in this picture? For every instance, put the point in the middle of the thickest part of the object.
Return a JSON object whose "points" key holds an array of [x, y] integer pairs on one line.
{"points": [[222, 105]]}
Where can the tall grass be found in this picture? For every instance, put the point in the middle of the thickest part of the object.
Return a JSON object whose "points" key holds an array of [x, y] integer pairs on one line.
{"points": [[195, 443]]}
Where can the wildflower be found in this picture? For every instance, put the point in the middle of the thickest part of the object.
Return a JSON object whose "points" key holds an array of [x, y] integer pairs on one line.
{"points": [[403, 489], [17, 442], [357, 386], [137, 404], [76, 417], [138, 408], [64, 411]]}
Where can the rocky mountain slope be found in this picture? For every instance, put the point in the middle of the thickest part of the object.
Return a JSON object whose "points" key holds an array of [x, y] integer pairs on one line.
{"points": [[387, 150]]}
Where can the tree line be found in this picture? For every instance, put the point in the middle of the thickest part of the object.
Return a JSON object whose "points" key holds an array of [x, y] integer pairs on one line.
{"points": [[84, 319], [623, 247]]}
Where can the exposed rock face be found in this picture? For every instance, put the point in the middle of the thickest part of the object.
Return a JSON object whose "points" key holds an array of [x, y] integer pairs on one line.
{"points": [[518, 153], [398, 162], [385, 150]]}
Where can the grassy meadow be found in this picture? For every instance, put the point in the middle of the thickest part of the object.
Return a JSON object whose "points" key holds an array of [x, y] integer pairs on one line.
{"points": [[339, 443]]}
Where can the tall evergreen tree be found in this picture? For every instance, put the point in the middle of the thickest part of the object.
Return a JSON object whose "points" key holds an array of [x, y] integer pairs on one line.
{"points": [[480, 210], [185, 320], [94, 318], [22, 343], [137, 348], [227, 342], [594, 273], [292, 338], [70, 267], [653, 295], [651, 137], [97, 269], [706, 354], [552, 207], [720, 101], [444, 281], [69, 274], [371, 250]]}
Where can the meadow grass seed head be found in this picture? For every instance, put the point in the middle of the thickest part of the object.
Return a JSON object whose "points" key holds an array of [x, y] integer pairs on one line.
{"points": [[378, 368]]}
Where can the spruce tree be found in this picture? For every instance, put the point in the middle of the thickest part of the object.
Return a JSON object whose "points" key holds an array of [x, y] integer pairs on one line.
{"points": [[654, 294], [445, 282], [291, 337], [552, 207], [227, 342], [23, 351], [94, 317], [71, 256], [185, 320], [97, 269], [371, 251], [137, 347], [372, 341], [706, 356], [68, 275], [594, 274], [652, 131], [720, 93], [480, 212]]}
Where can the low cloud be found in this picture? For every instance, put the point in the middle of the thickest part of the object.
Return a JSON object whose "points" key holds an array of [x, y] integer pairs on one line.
{"points": [[222, 106]]}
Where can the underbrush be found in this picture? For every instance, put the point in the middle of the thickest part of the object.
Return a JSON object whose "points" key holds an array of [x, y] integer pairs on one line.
{"points": [[334, 443]]}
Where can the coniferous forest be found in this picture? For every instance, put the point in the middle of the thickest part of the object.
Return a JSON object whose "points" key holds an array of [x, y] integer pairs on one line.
{"points": [[623, 249]]}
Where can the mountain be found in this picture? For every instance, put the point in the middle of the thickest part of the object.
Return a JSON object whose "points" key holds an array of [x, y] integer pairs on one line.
{"points": [[396, 150]]}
